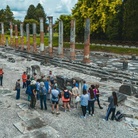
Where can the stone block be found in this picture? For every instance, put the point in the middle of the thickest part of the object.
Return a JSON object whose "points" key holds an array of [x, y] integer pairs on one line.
{"points": [[127, 89]]}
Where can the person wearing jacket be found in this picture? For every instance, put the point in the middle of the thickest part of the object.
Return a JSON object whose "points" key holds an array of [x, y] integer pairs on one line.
{"points": [[42, 95], [84, 103], [24, 78], [1, 76], [112, 106], [17, 88]]}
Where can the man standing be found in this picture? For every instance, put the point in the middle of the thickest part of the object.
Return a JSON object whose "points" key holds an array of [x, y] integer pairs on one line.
{"points": [[1, 76], [55, 99], [24, 78]]}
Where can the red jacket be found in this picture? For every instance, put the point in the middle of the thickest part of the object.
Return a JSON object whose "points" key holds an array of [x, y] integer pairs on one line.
{"points": [[24, 77], [1, 72]]}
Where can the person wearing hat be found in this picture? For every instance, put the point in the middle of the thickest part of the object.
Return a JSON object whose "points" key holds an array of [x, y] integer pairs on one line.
{"points": [[42, 95], [1, 76], [33, 93]]}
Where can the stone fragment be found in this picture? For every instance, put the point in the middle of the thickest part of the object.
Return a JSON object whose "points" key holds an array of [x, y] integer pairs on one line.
{"points": [[127, 89]]}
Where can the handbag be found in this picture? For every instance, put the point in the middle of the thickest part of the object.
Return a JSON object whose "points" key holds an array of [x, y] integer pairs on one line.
{"points": [[77, 99]]}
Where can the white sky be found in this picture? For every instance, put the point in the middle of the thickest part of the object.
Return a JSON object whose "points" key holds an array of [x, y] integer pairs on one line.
{"points": [[52, 7]]}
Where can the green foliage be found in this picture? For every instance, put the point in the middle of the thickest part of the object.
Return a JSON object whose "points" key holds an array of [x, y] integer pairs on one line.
{"points": [[130, 27], [33, 15]]}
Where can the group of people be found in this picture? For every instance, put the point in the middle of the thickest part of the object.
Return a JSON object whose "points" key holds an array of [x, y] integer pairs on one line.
{"points": [[47, 89]]}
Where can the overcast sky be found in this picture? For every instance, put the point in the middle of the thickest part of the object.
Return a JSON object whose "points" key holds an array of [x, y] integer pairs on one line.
{"points": [[52, 7]]}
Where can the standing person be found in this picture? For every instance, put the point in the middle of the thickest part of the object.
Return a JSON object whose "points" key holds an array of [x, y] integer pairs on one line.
{"points": [[75, 83], [17, 88], [37, 88], [84, 103], [75, 93], [1, 76], [24, 78], [46, 82], [28, 81], [42, 94], [55, 100], [66, 98], [97, 96], [91, 102], [85, 86], [33, 94], [51, 78], [112, 106]]}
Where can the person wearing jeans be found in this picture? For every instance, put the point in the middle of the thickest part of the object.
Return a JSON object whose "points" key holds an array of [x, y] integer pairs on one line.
{"points": [[112, 106], [17, 88], [42, 95], [1, 76], [91, 101], [84, 103]]}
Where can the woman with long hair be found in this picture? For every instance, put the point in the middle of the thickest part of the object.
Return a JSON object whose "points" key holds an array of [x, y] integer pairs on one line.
{"points": [[112, 106]]}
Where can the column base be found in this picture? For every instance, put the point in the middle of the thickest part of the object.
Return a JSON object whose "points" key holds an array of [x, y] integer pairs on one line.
{"points": [[86, 60]]}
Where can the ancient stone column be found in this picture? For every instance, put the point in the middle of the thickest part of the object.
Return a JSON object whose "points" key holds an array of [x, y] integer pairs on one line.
{"points": [[28, 37], [16, 37], [11, 34], [2, 34], [86, 58], [72, 40], [41, 34], [50, 34], [21, 36], [34, 37], [60, 39]]}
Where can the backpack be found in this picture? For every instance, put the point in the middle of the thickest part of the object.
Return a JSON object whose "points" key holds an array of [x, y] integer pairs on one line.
{"points": [[118, 116], [66, 95], [41, 91], [28, 91], [54, 97]]}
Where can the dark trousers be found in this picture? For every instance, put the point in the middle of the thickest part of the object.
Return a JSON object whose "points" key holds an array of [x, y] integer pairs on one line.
{"points": [[43, 101], [18, 94], [109, 111], [1, 79], [33, 101], [91, 106], [83, 110], [98, 101], [24, 84]]}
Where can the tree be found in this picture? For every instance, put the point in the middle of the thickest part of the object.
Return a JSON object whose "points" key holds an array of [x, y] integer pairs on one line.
{"points": [[130, 19], [33, 14]]}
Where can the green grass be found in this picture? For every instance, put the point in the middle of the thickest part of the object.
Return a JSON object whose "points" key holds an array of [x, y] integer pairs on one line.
{"points": [[117, 50]]}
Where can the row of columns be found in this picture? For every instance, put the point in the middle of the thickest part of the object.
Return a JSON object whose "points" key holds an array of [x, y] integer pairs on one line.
{"points": [[86, 58]]}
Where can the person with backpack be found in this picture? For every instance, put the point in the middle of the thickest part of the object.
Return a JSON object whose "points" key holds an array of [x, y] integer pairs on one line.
{"points": [[66, 98], [55, 100], [84, 103], [112, 106], [91, 101], [43, 94], [17, 88], [1, 76]]}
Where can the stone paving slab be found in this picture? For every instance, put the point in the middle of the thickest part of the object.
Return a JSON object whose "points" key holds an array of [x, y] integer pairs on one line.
{"points": [[27, 115], [23, 106], [26, 126], [45, 132]]}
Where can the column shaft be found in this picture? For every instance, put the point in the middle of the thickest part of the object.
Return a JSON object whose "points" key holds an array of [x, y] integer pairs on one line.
{"points": [[72, 40], [86, 58], [11, 34], [60, 43], [16, 37], [41, 34], [28, 37], [34, 37], [22, 37]]}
